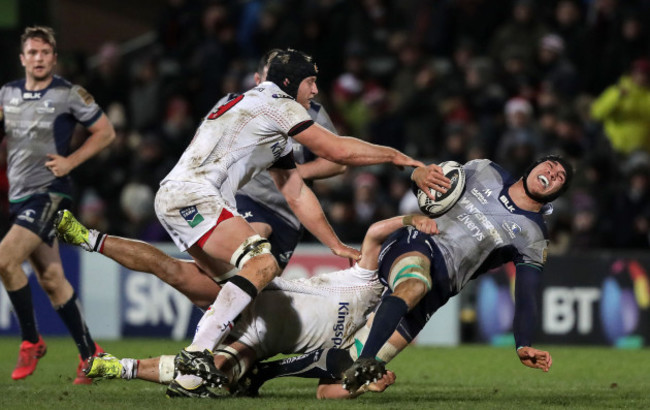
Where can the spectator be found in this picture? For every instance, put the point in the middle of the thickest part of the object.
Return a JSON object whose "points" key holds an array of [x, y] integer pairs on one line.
{"points": [[623, 109]]}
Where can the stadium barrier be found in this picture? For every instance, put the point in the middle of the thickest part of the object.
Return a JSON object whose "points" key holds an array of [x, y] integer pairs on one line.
{"points": [[599, 298]]}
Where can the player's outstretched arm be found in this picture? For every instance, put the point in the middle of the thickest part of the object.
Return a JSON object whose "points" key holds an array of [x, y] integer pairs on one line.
{"points": [[534, 358], [102, 134], [305, 205], [351, 151], [379, 231]]}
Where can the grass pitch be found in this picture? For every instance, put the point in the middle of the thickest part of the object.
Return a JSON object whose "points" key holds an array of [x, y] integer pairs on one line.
{"points": [[466, 377]]}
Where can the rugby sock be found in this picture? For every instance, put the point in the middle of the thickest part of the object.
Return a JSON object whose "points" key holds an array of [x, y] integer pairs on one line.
{"points": [[129, 368], [70, 313], [218, 319], [386, 320], [21, 300], [322, 363]]}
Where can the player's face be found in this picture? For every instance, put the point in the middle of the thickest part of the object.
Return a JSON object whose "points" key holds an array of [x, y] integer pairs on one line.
{"points": [[38, 58], [547, 178], [306, 91]]}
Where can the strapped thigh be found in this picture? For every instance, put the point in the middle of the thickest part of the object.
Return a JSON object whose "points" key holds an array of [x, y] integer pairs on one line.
{"points": [[410, 267]]}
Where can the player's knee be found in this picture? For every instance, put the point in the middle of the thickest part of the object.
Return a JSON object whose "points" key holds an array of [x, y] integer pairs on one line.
{"points": [[8, 267], [51, 280], [254, 246], [266, 267], [410, 278]]}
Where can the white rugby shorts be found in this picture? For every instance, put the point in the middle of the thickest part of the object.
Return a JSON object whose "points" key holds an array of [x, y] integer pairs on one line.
{"points": [[189, 210]]}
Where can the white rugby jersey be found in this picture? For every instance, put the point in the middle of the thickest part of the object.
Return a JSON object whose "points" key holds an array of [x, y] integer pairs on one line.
{"points": [[240, 139], [298, 316]]}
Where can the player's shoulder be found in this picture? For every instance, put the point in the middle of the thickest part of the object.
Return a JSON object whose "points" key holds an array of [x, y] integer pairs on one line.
{"points": [[60, 82], [20, 84]]}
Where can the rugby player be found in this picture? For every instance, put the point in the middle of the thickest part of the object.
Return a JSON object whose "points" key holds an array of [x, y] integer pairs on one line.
{"points": [[261, 203], [38, 115], [497, 219]]}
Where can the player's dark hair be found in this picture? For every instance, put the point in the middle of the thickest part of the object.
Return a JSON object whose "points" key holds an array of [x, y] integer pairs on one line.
{"points": [[567, 182], [43, 32], [288, 68], [266, 59]]}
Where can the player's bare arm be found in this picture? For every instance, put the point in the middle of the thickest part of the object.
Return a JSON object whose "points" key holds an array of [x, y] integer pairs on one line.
{"points": [[305, 205], [320, 168], [379, 231], [102, 134], [349, 150]]}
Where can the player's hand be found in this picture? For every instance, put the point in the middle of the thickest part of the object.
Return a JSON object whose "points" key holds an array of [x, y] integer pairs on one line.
{"points": [[402, 160], [432, 177], [345, 251], [425, 224], [59, 165], [537, 359], [383, 383]]}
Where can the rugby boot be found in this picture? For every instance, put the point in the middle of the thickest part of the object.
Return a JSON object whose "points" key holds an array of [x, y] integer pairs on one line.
{"points": [[363, 371], [83, 364], [28, 357], [174, 389], [105, 366], [200, 364], [70, 230]]}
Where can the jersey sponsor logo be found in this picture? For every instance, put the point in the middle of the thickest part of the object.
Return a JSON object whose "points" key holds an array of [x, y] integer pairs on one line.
{"points": [[479, 196], [28, 95], [487, 192], [339, 327], [506, 202], [277, 149], [28, 215], [247, 215], [282, 96], [511, 228], [47, 108], [482, 221], [13, 110], [85, 96], [285, 256], [14, 101], [191, 215]]}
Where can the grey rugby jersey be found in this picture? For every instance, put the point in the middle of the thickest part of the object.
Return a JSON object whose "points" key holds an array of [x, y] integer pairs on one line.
{"points": [[262, 189], [485, 228], [37, 123]]}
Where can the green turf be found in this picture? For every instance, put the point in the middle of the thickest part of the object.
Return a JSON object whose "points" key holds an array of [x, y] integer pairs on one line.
{"points": [[467, 377]]}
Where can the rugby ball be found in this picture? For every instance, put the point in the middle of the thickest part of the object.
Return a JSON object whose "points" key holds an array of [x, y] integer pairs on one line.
{"points": [[443, 203]]}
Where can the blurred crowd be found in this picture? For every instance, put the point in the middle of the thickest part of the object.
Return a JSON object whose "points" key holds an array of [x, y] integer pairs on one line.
{"points": [[440, 80]]}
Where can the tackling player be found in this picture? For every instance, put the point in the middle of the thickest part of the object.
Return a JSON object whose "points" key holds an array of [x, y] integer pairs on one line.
{"points": [[261, 203], [38, 115]]}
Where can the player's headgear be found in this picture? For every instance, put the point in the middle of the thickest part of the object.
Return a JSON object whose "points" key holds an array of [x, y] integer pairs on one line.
{"points": [[551, 197], [288, 68]]}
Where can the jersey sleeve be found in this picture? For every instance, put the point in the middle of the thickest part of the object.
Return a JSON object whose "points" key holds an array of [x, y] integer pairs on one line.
{"points": [[527, 283], [290, 117], [534, 254], [83, 106]]}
